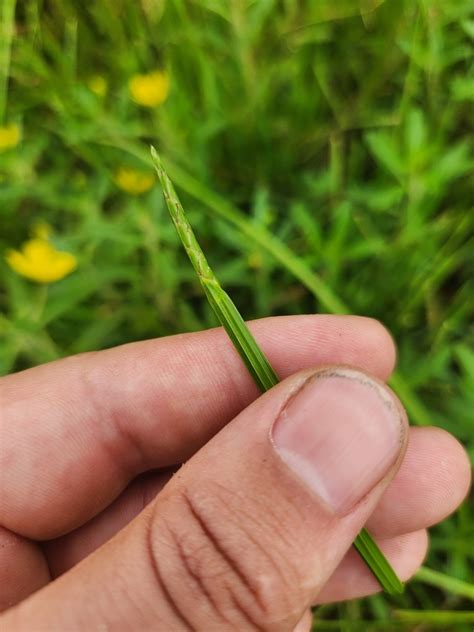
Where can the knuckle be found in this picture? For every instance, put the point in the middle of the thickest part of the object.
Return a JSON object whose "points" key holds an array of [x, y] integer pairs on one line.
{"points": [[215, 565]]}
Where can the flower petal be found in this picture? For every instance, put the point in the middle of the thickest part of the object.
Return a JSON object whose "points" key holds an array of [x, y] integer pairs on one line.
{"points": [[149, 90], [9, 136], [39, 261], [132, 181]]}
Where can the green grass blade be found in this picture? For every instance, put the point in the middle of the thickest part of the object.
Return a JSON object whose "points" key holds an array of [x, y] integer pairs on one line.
{"points": [[257, 364], [254, 359], [435, 617], [220, 301], [378, 563], [445, 582]]}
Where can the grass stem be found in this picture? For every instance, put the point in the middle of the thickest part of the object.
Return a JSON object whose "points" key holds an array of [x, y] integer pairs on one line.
{"points": [[251, 354], [445, 582]]}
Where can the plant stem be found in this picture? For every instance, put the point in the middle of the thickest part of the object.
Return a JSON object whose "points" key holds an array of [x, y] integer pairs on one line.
{"points": [[444, 582], [435, 617], [253, 357]]}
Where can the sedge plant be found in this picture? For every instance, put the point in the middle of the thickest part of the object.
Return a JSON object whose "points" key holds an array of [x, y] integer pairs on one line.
{"points": [[253, 357]]}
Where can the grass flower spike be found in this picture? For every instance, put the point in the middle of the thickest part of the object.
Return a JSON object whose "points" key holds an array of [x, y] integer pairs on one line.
{"points": [[133, 181], [9, 136], [39, 261], [255, 361], [149, 90]]}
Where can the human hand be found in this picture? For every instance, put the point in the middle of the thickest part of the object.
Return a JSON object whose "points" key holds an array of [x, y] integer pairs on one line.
{"points": [[258, 523]]}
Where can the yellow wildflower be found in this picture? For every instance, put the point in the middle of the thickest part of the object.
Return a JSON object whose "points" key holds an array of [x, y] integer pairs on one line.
{"points": [[98, 85], [39, 261], [132, 181], [149, 90], [9, 136]]}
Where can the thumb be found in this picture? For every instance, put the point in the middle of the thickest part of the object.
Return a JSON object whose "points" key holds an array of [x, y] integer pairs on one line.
{"points": [[247, 533]]}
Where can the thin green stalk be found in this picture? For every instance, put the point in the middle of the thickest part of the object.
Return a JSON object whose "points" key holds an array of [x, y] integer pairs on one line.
{"points": [[378, 563], [444, 582], [253, 357], [6, 36], [435, 617]]}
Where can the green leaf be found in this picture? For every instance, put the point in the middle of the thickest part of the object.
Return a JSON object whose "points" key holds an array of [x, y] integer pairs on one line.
{"points": [[251, 354], [257, 364]]}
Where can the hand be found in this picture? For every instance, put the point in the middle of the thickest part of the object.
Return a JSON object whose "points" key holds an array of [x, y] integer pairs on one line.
{"points": [[258, 523]]}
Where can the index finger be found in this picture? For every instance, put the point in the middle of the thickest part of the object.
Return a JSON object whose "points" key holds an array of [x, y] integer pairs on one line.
{"points": [[76, 431]]}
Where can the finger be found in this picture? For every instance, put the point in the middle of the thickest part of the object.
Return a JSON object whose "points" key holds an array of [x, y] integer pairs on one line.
{"points": [[305, 623], [66, 551], [23, 568], [111, 415], [252, 526], [352, 579], [433, 480]]}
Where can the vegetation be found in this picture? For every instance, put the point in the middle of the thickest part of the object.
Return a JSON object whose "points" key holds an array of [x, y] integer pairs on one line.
{"points": [[322, 152]]}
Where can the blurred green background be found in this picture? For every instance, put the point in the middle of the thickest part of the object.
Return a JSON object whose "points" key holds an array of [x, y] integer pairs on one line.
{"points": [[322, 152]]}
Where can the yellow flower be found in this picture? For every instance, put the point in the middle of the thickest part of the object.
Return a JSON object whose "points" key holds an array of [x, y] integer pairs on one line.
{"points": [[9, 136], [39, 261], [132, 181], [98, 85], [149, 90]]}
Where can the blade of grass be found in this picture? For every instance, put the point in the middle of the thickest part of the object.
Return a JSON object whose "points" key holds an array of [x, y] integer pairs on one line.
{"points": [[254, 359], [435, 617], [378, 563], [445, 582]]}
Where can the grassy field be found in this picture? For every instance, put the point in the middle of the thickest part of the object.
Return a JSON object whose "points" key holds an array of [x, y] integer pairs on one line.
{"points": [[322, 151]]}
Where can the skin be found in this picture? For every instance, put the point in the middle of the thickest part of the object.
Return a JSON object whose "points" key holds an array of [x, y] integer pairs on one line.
{"points": [[90, 495]]}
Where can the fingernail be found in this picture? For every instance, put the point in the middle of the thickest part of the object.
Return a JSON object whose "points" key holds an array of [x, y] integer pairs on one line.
{"points": [[340, 434]]}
